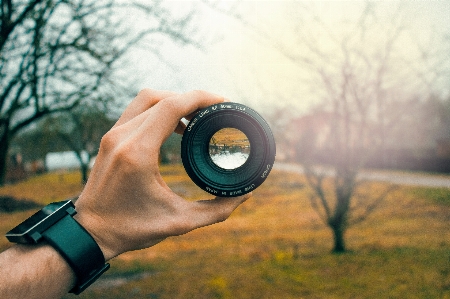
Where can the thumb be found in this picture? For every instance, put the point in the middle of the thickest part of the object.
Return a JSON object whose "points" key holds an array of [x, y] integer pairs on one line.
{"points": [[207, 212]]}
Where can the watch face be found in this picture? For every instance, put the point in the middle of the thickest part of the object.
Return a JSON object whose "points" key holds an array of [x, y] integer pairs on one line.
{"points": [[38, 222]]}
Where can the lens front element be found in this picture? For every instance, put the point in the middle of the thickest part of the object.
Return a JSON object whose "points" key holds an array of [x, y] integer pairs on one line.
{"points": [[229, 148]]}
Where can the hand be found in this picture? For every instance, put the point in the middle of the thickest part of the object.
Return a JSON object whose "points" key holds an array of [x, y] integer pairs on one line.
{"points": [[126, 205]]}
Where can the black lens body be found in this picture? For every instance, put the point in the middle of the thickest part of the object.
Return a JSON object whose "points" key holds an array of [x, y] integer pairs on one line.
{"points": [[199, 164]]}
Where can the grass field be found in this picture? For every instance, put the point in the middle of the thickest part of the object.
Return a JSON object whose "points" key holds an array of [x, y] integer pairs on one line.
{"points": [[275, 246]]}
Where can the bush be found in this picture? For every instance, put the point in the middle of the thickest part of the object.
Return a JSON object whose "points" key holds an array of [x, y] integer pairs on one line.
{"points": [[10, 204]]}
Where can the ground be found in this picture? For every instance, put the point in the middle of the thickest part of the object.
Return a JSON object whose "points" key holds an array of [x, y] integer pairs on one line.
{"points": [[275, 246]]}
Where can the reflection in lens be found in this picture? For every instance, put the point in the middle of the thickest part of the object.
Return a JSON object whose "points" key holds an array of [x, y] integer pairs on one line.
{"points": [[229, 148]]}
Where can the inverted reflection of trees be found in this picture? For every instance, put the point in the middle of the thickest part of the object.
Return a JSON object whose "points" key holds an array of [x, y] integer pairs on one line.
{"points": [[228, 160]]}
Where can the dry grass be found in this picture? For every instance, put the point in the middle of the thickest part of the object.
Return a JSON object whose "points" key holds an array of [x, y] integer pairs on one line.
{"points": [[46, 188], [275, 246]]}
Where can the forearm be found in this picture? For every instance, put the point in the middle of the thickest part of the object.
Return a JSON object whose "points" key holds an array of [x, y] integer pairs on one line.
{"points": [[34, 271]]}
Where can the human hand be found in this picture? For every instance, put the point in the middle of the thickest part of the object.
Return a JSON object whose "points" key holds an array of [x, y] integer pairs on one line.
{"points": [[126, 205]]}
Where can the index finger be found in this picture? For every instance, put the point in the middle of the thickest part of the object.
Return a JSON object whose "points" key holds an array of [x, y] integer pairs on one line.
{"points": [[143, 101], [188, 103], [167, 113]]}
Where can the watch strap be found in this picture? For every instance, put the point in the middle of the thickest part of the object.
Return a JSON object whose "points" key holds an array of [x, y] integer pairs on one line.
{"points": [[79, 249]]}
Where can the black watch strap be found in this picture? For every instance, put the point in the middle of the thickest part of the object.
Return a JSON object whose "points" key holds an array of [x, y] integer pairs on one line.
{"points": [[79, 249]]}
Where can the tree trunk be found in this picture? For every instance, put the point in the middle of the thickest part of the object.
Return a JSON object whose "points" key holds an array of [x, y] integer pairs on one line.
{"points": [[4, 145], [339, 242], [84, 173], [84, 166]]}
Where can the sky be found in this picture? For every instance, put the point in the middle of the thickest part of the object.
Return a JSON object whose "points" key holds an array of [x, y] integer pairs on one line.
{"points": [[243, 60]]}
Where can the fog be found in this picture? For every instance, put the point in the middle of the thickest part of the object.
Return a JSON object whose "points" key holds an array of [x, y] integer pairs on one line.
{"points": [[253, 55]]}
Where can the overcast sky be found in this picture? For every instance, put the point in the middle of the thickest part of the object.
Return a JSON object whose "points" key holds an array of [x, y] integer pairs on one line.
{"points": [[241, 62]]}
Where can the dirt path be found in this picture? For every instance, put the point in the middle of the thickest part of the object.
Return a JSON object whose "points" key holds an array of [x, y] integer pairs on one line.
{"points": [[396, 177]]}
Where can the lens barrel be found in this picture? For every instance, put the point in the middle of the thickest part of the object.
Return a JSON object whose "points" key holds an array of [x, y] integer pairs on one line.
{"points": [[196, 156]]}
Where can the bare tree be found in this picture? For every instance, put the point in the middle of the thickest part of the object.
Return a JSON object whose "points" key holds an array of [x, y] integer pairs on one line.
{"points": [[58, 54], [81, 131], [363, 73], [363, 77]]}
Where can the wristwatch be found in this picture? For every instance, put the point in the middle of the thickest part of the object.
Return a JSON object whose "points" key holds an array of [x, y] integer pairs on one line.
{"points": [[55, 225]]}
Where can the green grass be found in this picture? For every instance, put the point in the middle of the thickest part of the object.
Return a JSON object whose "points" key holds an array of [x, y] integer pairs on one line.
{"points": [[275, 246], [438, 195], [381, 273]]}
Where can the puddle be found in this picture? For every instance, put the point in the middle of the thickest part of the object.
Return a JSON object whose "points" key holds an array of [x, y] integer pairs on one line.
{"points": [[118, 280]]}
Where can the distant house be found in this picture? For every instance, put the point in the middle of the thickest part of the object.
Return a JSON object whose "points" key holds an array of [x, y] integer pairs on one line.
{"points": [[443, 148], [313, 136], [64, 160], [309, 137], [314, 127]]}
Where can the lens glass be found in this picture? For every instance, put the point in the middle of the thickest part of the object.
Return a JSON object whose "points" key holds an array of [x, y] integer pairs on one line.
{"points": [[229, 148]]}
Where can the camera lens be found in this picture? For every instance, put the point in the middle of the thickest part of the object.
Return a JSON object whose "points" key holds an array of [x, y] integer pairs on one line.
{"points": [[228, 149]]}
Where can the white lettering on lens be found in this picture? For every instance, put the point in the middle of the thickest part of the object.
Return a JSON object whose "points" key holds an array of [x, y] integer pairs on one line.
{"points": [[232, 193], [191, 124], [203, 113], [211, 190], [225, 106], [252, 186], [266, 171]]}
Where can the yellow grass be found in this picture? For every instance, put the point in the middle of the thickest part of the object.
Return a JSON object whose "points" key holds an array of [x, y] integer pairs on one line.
{"points": [[275, 246], [46, 188]]}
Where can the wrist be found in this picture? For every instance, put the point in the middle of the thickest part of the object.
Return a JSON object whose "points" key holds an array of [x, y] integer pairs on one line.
{"points": [[99, 233], [55, 225]]}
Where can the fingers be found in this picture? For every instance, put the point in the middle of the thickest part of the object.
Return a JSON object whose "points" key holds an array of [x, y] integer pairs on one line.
{"points": [[167, 113], [154, 115], [144, 100], [193, 101], [207, 212], [182, 125]]}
